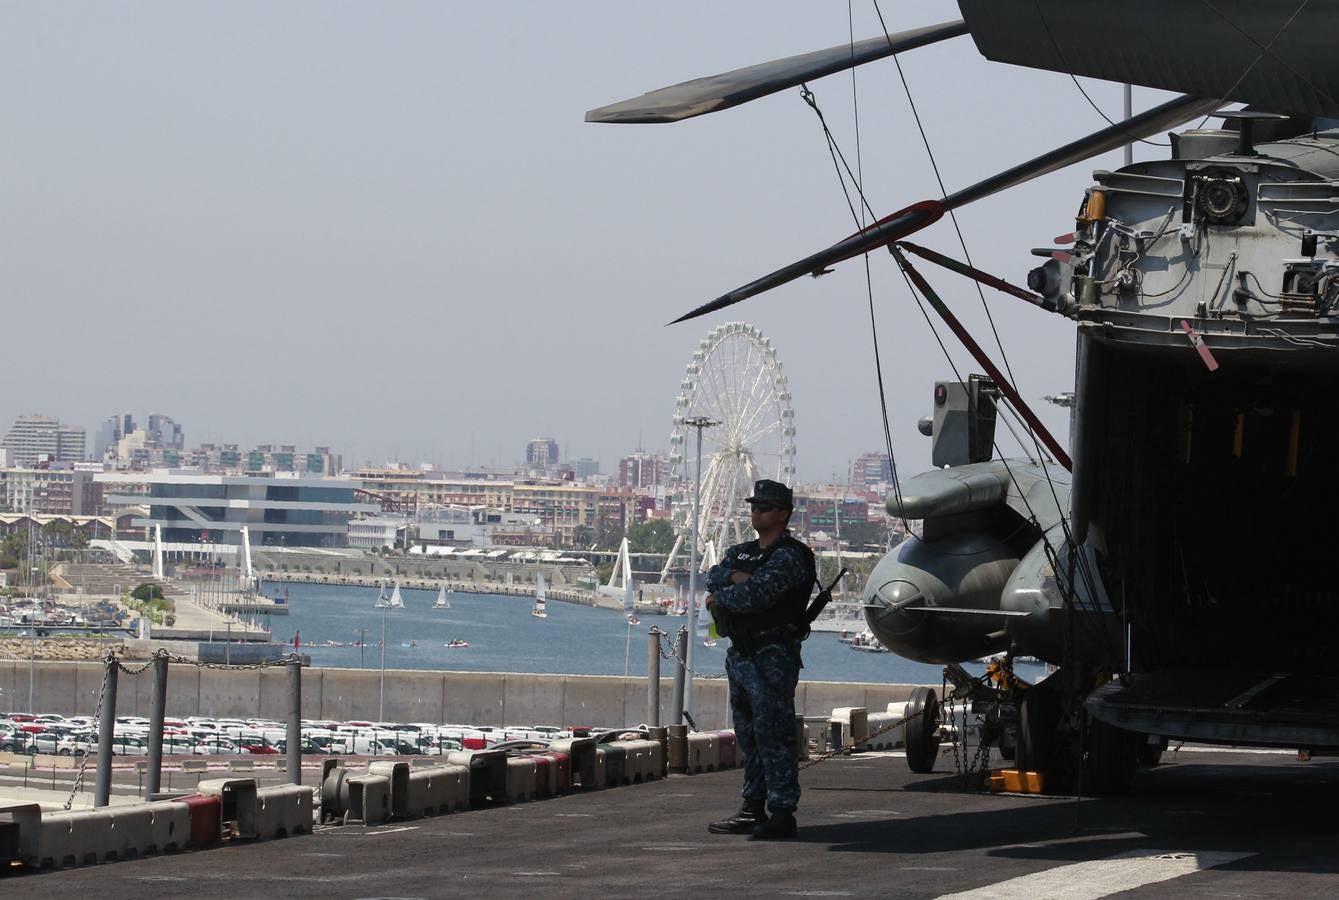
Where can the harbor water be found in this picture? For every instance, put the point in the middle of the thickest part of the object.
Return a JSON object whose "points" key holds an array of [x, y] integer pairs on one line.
{"points": [[504, 637]]}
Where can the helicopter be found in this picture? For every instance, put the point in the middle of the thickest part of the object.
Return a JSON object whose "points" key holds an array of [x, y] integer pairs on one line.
{"points": [[1176, 570]]}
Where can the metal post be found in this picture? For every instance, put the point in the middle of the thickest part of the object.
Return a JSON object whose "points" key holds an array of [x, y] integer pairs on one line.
{"points": [[653, 678], [1129, 111], [294, 735], [381, 701], [102, 789], [698, 422], [680, 642], [158, 710]]}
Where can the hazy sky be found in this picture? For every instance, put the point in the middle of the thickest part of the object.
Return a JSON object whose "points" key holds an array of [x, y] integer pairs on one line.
{"points": [[385, 226]]}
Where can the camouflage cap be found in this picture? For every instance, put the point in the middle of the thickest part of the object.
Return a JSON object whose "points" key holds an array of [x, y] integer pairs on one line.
{"points": [[773, 492]]}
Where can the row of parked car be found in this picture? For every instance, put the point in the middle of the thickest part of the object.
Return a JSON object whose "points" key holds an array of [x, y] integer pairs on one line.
{"points": [[77, 735]]}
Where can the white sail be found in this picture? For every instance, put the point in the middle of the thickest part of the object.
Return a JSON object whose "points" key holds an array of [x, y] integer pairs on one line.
{"points": [[394, 601], [539, 610], [629, 596], [442, 602]]}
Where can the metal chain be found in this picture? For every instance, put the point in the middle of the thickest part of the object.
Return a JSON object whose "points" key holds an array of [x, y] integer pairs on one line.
{"points": [[97, 714], [675, 657], [265, 664], [846, 749]]}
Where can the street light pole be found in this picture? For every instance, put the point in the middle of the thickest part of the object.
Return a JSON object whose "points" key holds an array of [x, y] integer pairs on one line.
{"points": [[698, 422]]}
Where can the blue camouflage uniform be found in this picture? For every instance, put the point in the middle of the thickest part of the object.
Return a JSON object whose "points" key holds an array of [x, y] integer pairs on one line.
{"points": [[763, 663]]}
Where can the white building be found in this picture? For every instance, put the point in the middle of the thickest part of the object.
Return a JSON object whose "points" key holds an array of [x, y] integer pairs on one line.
{"points": [[277, 510]]}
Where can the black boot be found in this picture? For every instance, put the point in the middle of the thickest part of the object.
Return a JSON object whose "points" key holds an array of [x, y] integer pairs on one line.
{"points": [[743, 822], [780, 824]]}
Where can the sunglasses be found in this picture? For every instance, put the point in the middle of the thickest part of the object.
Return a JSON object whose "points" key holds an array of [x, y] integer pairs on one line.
{"points": [[765, 507]]}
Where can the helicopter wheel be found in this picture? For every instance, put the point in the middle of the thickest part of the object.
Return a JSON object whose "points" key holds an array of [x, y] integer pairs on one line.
{"points": [[922, 730], [1113, 755], [1150, 751], [1038, 725]]}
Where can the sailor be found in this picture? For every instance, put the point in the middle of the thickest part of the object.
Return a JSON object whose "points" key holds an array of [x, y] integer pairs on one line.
{"points": [[758, 597]]}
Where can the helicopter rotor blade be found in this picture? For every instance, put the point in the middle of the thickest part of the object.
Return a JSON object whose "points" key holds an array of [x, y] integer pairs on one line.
{"points": [[921, 215], [1166, 115], [716, 92]]}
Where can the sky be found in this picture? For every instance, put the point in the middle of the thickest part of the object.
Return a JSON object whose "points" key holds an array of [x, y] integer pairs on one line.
{"points": [[386, 228]]}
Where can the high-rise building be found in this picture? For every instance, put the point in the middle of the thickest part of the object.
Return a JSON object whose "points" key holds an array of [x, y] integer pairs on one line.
{"points": [[32, 438], [541, 453], [585, 467], [166, 433], [642, 469], [109, 434], [870, 469]]}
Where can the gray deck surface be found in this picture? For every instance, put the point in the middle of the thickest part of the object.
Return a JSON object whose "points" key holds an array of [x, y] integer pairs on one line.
{"points": [[868, 827]]}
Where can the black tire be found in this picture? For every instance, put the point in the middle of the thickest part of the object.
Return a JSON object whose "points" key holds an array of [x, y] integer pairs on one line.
{"points": [[1150, 752], [922, 730], [1112, 758], [1038, 730]]}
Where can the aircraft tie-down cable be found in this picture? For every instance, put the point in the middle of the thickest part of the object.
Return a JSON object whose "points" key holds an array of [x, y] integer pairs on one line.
{"points": [[1060, 55], [1085, 572], [1069, 539], [962, 241], [840, 163]]}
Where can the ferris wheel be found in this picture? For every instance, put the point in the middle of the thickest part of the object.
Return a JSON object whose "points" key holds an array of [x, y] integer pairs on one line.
{"points": [[735, 380]]}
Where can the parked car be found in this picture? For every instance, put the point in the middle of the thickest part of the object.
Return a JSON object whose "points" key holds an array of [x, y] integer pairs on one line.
{"points": [[256, 745]]}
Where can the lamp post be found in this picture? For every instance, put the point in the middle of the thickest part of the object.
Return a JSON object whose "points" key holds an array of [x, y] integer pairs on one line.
{"points": [[698, 422], [385, 603]]}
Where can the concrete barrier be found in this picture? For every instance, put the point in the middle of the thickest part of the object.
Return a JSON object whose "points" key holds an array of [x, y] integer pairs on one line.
{"points": [[522, 778], [561, 769], [241, 765], [642, 762], [283, 810], [676, 742], [488, 773], [611, 765], [438, 789], [170, 825], [704, 752], [92, 836], [206, 819], [398, 775], [237, 798], [884, 740], [544, 775], [581, 758], [728, 752], [197, 766], [20, 832], [369, 799], [855, 724]]}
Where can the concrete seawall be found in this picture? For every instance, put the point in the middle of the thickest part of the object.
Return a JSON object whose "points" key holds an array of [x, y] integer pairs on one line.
{"points": [[71, 688]]}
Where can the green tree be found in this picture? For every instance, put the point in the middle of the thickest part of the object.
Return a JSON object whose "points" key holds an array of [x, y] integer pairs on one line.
{"points": [[608, 532], [582, 537], [651, 536], [147, 591], [13, 550], [63, 535]]}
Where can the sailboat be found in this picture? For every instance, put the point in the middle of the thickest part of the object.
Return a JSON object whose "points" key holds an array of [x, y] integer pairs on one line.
{"points": [[389, 601], [442, 601], [538, 612]]}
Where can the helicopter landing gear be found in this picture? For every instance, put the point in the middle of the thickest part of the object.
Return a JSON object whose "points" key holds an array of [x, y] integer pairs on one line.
{"points": [[1038, 730], [1113, 755], [922, 730]]}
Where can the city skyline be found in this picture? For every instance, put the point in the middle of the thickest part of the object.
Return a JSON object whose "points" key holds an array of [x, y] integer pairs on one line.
{"points": [[276, 245]]}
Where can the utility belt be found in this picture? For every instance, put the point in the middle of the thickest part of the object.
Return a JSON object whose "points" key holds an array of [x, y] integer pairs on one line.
{"points": [[750, 632]]}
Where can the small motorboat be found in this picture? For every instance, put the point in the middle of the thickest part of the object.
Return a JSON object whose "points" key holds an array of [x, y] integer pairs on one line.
{"points": [[456, 643]]}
